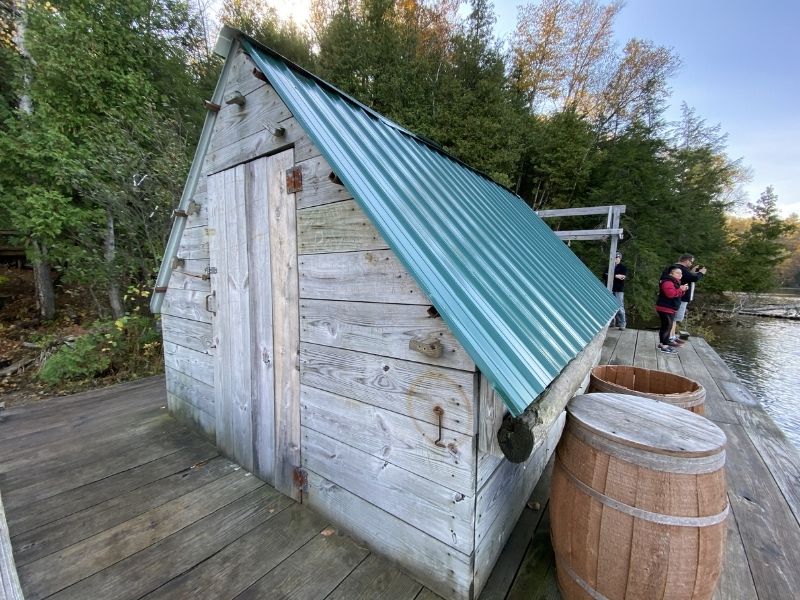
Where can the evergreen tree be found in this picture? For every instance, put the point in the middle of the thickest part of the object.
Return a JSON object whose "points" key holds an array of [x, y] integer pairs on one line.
{"points": [[752, 267]]}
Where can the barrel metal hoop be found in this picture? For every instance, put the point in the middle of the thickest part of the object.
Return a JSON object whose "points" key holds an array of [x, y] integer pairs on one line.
{"points": [[562, 564], [691, 465], [640, 513]]}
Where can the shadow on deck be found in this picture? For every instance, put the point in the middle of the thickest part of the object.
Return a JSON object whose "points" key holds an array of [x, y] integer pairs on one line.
{"points": [[106, 496]]}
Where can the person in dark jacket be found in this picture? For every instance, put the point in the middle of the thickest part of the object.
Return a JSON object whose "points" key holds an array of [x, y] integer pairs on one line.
{"points": [[618, 288], [690, 275], [670, 292]]}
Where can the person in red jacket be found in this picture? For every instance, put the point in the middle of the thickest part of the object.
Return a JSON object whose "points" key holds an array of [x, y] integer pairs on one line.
{"points": [[670, 292]]}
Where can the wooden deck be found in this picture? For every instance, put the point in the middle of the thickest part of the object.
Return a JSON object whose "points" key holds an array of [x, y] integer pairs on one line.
{"points": [[107, 497]]}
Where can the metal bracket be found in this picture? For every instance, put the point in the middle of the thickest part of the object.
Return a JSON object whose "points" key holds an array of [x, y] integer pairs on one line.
{"points": [[209, 298], [439, 411], [212, 106], [428, 347], [294, 180]]}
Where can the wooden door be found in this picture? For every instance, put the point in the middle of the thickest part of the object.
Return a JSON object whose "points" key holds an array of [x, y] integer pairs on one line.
{"points": [[253, 250]]}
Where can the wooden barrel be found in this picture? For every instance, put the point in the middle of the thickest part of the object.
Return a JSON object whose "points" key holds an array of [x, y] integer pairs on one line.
{"points": [[658, 385], [638, 501]]}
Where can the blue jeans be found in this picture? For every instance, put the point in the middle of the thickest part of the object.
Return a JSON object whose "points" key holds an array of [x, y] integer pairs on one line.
{"points": [[619, 318]]}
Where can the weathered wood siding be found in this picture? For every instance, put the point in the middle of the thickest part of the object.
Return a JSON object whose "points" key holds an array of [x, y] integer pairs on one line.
{"points": [[369, 429]]}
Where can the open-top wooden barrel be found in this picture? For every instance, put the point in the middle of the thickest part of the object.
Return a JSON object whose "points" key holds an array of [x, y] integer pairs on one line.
{"points": [[638, 501], [649, 383]]}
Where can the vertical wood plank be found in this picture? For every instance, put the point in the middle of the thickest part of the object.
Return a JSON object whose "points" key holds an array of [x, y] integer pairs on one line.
{"points": [[232, 323], [286, 322], [257, 189], [218, 262]]}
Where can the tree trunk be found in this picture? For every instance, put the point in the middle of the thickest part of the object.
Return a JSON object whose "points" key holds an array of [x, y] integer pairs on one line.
{"points": [[43, 283], [114, 295]]}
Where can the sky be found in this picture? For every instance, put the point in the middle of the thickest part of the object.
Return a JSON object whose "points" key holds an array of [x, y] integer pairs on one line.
{"points": [[740, 69]]}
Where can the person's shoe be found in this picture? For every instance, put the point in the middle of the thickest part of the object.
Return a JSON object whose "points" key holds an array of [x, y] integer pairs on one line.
{"points": [[622, 328], [667, 350], [674, 344]]}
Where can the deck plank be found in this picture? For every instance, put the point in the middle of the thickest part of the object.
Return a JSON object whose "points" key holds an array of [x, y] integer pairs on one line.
{"points": [[376, 579], [625, 348], [536, 579], [154, 566], [242, 563], [694, 366], [314, 571], [63, 414], [83, 497], [57, 571], [768, 528], [515, 550], [780, 456], [645, 353], [735, 582], [53, 480], [50, 538]]}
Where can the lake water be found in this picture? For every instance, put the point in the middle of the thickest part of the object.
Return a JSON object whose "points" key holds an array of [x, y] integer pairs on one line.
{"points": [[765, 354]]}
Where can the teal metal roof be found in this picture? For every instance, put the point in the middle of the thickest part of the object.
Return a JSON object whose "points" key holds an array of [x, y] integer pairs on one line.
{"points": [[516, 297]]}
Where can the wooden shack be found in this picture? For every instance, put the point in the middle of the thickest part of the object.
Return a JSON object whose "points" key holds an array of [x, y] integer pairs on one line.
{"points": [[349, 312]]}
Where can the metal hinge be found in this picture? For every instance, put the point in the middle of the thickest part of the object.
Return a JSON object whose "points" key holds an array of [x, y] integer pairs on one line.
{"points": [[294, 180], [300, 479], [211, 270]]}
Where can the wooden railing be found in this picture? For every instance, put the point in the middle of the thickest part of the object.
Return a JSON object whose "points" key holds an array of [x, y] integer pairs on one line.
{"points": [[612, 229]]}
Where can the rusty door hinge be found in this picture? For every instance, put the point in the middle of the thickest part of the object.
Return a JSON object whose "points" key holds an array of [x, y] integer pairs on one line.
{"points": [[300, 479], [294, 180]]}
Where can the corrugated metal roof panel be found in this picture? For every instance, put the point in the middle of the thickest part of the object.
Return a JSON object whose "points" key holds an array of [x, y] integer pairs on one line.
{"points": [[521, 303]]}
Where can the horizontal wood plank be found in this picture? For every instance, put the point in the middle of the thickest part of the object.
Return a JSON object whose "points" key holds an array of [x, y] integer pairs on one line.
{"points": [[402, 386], [195, 335], [194, 244], [501, 502], [392, 437], [197, 365], [440, 512], [317, 569], [384, 329], [336, 227], [430, 561], [376, 578], [373, 276], [318, 187], [80, 498], [186, 304], [262, 111]]}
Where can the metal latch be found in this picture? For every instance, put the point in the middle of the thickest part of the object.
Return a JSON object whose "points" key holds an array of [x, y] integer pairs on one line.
{"points": [[211, 303]]}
